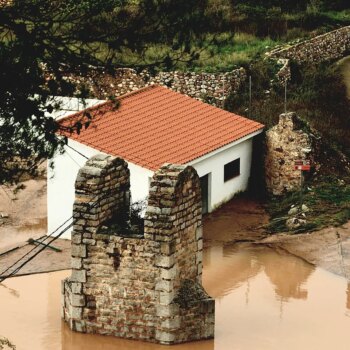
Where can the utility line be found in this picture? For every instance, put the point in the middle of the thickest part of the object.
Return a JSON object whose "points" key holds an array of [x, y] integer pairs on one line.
{"points": [[3, 277], [47, 237], [77, 151], [73, 160]]}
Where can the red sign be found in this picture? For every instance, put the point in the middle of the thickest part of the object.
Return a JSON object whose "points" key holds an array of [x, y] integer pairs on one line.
{"points": [[302, 167]]}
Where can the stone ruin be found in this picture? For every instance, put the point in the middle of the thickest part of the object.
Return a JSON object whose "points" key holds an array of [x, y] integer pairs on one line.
{"points": [[285, 143], [139, 286]]}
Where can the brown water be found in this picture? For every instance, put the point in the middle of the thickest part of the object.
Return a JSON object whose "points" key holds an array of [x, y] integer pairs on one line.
{"points": [[264, 300]]}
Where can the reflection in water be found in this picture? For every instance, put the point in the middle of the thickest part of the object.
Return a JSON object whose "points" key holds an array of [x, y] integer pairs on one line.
{"points": [[289, 277], [226, 268], [251, 286]]}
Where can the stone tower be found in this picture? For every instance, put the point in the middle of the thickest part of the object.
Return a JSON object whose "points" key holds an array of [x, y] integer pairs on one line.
{"points": [[144, 285]]}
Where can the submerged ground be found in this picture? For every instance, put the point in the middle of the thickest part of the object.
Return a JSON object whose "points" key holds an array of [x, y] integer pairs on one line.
{"points": [[241, 220], [265, 297]]}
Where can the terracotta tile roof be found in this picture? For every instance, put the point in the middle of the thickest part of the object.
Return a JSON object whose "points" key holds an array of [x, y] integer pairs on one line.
{"points": [[156, 125]]}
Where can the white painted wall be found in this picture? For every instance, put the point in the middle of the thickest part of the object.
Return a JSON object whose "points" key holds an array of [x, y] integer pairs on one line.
{"points": [[61, 179], [213, 164]]}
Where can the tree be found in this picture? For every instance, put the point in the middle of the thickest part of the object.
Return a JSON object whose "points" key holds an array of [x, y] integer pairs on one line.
{"points": [[41, 40]]}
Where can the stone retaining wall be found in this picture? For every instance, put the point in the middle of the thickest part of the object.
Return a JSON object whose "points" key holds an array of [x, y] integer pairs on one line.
{"points": [[138, 286], [321, 48], [205, 86], [325, 47]]}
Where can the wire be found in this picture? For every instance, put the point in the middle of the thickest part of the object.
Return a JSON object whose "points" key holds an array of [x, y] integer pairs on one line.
{"points": [[2, 277], [47, 237], [73, 160], [83, 155]]}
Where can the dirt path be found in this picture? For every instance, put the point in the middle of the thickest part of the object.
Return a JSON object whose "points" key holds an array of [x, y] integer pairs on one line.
{"points": [[239, 220]]}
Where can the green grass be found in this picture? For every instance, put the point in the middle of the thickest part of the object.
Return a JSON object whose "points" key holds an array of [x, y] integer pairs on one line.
{"points": [[229, 51], [219, 53], [328, 200]]}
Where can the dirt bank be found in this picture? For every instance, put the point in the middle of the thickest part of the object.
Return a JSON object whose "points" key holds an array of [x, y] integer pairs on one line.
{"points": [[243, 219], [328, 248]]}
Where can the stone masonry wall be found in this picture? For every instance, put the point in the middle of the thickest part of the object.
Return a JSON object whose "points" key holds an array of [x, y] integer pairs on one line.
{"points": [[198, 85], [285, 143], [145, 287], [325, 47]]}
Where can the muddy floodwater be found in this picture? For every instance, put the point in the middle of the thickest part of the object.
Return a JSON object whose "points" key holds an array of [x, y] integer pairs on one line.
{"points": [[264, 300]]}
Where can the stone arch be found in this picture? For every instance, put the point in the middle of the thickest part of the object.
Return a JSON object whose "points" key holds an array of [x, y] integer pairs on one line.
{"points": [[102, 190]]}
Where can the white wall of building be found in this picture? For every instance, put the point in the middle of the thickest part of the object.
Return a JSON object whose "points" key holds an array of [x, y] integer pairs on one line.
{"points": [[61, 179], [61, 184], [213, 164]]}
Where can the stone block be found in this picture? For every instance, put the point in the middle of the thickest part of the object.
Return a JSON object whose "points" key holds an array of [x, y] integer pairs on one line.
{"points": [[78, 276], [168, 248], [165, 337], [168, 274], [76, 263], [171, 323], [199, 233], [79, 250], [76, 238], [89, 241], [78, 300], [165, 286], [166, 298], [165, 261], [76, 287], [199, 257], [76, 312], [171, 310]]}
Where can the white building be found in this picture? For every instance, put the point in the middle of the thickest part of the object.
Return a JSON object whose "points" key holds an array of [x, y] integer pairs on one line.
{"points": [[153, 126]]}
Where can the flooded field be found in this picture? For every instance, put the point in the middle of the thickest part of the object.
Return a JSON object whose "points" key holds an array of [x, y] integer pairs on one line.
{"points": [[264, 300]]}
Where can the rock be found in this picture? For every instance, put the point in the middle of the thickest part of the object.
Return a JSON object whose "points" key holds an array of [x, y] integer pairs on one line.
{"points": [[4, 215], [305, 208], [293, 211], [294, 223]]}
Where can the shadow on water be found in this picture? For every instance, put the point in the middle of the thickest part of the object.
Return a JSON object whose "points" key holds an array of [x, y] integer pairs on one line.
{"points": [[265, 299]]}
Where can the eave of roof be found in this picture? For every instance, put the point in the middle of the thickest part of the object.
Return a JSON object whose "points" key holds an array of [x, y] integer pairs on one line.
{"points": [[155, 125]]}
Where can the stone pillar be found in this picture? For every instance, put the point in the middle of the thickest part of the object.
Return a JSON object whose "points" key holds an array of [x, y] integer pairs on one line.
{"points": [[174, 219], [147, 285], [286, 142], [101, 191]]}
